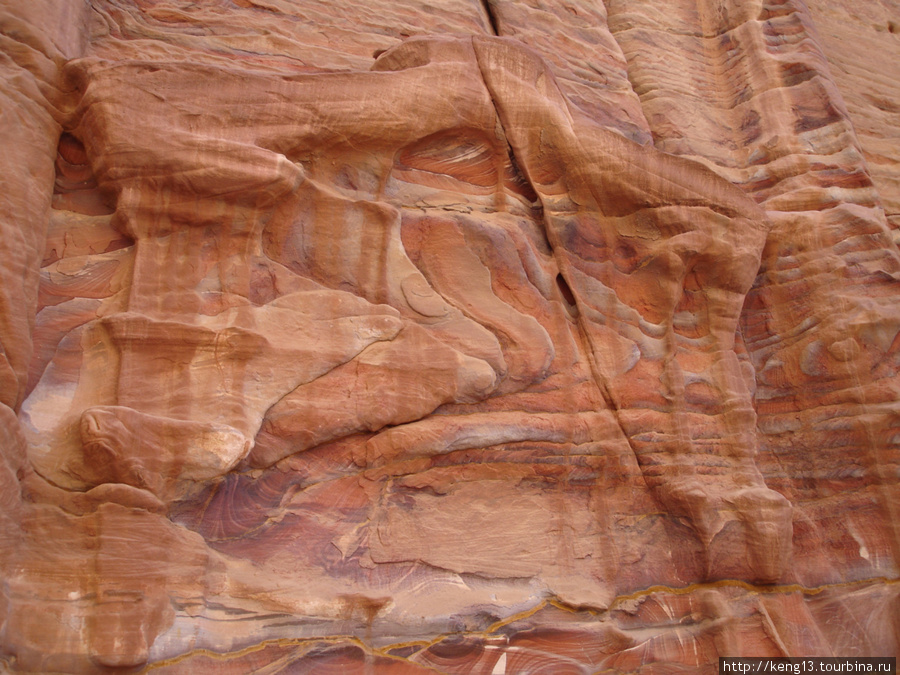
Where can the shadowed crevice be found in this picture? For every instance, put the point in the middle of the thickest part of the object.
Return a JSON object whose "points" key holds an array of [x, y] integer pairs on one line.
{"points": [[491, 17]]}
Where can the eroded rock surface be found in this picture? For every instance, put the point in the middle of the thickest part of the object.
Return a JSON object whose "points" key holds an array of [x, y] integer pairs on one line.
{"points": [[473, 338]]}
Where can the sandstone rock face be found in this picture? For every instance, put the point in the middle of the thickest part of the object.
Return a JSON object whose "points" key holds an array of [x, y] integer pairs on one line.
{"points": [[502, 337]]}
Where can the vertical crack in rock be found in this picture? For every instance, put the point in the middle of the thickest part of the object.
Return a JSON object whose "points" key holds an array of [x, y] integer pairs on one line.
{"points": [[495, 462], [487, 6], [569, 151], [563, 284], [553, 242]]}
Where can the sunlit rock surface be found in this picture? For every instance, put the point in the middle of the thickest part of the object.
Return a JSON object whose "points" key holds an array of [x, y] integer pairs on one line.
{"points": [[501, 337]]}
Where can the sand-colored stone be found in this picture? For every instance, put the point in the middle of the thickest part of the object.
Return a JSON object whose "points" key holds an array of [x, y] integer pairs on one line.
{"points": [[461, 337]]}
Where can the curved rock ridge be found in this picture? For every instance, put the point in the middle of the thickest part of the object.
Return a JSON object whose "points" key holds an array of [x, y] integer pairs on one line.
{"points": [[479, 337], [811, 341]]}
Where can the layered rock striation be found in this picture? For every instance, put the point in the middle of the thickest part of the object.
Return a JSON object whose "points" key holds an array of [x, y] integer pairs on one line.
{"points": [[474, 338]]}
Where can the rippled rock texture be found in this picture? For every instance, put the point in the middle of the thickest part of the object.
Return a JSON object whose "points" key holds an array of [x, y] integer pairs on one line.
{"points": [[477, 338]]}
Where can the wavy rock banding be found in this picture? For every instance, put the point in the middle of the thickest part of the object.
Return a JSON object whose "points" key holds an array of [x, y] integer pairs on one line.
{"points": [[489, 337]]}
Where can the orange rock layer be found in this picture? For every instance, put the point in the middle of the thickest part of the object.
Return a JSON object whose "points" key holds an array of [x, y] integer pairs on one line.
{"points": [[501, 337]]}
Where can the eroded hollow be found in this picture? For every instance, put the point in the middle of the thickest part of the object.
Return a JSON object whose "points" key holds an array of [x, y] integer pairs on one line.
{"points": [[568, 297], [76, 188]]}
